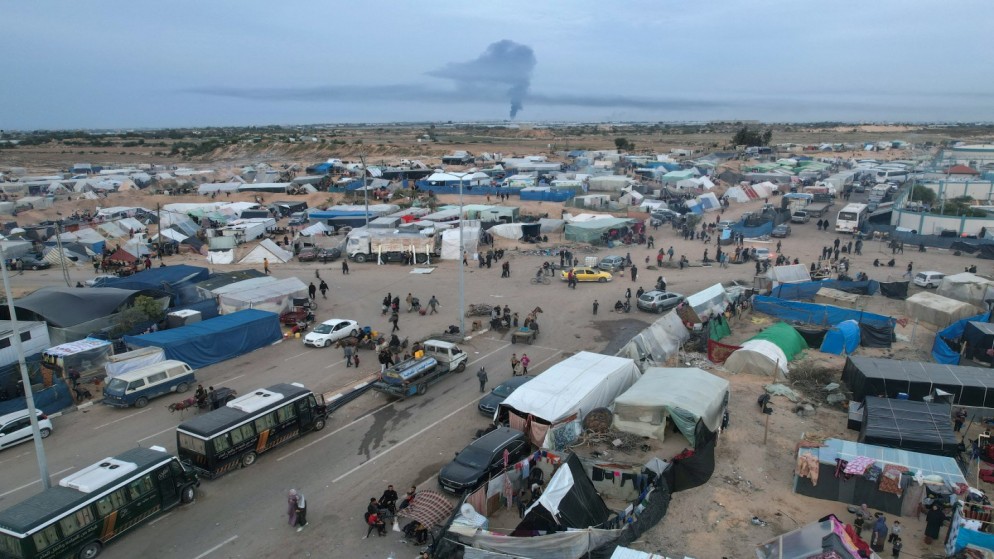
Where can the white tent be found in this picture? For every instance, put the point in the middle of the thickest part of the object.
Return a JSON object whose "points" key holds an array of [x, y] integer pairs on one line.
{"points": [[967, 287], [505, 230], [112, 230], [275, 296], [570, 389], [208, 188], [450, 241], [137, 247], [938, 310], [221, 256], [654, 345], [791, 273], [266, 249], [758, 357], [710, 300], [687, 396], [172, 235], [736, 194], [318, 228], [54, 257]]}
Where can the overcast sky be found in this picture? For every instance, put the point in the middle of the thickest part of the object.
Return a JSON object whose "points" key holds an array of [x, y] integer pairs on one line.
{"points": [[117, 63]]}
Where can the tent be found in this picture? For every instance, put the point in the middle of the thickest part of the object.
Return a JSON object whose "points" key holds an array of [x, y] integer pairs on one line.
{"points": [[758, 357], [936, 309], [266, 249], [916, 426], [568, 501], [843, 338], [693, 399], [221, 256], [567, 390], [969, 386], [64, 306], [121, 255], [450, 241], [791, 273], [160, 278], [318, 228], [593, 230], [979, 337], [654, 345], [242, 285], [703, 303], [894, 289], [967, 287], [214, 340], [825, 538], [276, 296]]}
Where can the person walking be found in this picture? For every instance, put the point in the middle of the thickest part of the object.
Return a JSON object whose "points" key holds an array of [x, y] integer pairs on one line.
{"points": [[312, 291], [635, 272], [349, 351], [596, 304], [394, 318], [505, 269], [345, 267], [433, 305], [525, 360], [482, 375], [265, 265], [324, 289], [301, 515], [291, 511], [908, 274], [670, 253]]}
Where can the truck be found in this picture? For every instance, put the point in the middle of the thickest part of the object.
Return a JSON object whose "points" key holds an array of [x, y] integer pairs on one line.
{"points": [[414, 376], [363, 245], [817, 209]]}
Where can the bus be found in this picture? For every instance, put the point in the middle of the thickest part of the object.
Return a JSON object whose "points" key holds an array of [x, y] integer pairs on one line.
{"points": [[851, 218], [92, 507], [233, 436]]}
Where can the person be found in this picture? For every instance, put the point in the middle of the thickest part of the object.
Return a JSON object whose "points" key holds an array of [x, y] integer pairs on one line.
{"points": [[639, 292], [375, 522], [265, 265], [389, 499], [74, 376], [505, 269], [628, 293], [482, 375], [907, 274], [292, 507], [348, 355], [895, 550], [211, 398], [525, 360], [596, 304], [895, 532], [345, 267], [301, 511], [522, 499], [408, 498], [876, 262], [324, 289], [634, 272], [312, 291], [879, 535], [933, 523], [200, 394], [410, 302], [670, 253], [858, 523], [619, 306], [959, 419], [433, 305], [394, 318], [515, 363]]}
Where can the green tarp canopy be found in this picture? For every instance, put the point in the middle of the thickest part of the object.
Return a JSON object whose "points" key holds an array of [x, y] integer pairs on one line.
{"points": [[591, 231], [718, 328], [785, 337]]}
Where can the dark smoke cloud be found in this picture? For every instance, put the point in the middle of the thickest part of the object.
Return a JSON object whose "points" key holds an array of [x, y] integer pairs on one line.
{"points": [[504, 64]]}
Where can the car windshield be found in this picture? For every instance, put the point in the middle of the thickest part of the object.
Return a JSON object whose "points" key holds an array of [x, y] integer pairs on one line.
{"points": [[474, 458], [647, 297], [117, 385], [323, 329], [504, 390]]}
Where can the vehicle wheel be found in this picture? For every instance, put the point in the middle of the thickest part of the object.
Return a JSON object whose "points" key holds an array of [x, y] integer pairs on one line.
{"points": [[141, 402], [360, 258], [248, 459], [461, 367], [602, 280], [422, 388], [182, 387], [45, 433], [326, 343], [187, 495], [319, 424], [90, 550], [660, 310]]}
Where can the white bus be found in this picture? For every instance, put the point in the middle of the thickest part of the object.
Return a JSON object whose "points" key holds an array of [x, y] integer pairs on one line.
{"points": [[851, 218]]}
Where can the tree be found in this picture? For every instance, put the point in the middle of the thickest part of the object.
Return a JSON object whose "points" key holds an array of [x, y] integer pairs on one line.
{"points": [[143, 310], [923, 195], [746, 136], [623, 144]]}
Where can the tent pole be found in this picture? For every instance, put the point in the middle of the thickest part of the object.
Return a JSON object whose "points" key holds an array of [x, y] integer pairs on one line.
{"points": [[766, 430]]}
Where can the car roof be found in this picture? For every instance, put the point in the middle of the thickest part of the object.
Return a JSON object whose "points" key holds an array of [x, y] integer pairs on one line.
{"points": [[516, 381], [17, 415], [496, 438], [335, 321]]}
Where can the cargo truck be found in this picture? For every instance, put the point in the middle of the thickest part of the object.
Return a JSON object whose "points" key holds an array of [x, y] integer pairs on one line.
{"points": [[414, 376]]}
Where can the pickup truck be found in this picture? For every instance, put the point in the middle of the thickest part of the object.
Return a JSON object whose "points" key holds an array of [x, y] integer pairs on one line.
{"points": [[799, 216], [414, 376], [817, 209]]}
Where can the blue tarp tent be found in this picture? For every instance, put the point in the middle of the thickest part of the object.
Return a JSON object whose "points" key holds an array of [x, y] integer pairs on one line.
{"points": [[212, 341], [157, 278], [842, 338], [808, 290], [941, 352]]}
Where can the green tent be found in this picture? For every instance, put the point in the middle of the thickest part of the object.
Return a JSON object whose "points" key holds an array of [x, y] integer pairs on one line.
{"points": [[591, 231], [785, 337], [718, 328]]}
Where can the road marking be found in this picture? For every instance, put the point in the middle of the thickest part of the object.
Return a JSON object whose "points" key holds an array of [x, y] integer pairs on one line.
{"points": [[122, 418], [232, 378], [26, 485], [167, 515], [216, 547], [296, 356], [156, 434], [15, 457]]}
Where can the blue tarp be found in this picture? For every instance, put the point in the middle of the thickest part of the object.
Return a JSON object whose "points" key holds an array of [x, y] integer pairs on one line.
{"points": [[941, 352], [160, 278], [212, 341], [469, 189], [842, 338], [807, 290], [753, 232], [821, 315], [547, 195]]}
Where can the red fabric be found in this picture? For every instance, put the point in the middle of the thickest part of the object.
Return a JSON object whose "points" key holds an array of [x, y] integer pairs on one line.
{"points": [[719, 352], [857, 541]]}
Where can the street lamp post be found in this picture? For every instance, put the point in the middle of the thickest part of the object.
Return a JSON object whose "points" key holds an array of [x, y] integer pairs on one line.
{"points": [[462, 266]]}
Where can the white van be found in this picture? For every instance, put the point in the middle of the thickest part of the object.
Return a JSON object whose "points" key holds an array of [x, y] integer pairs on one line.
{"points": [[15, 428], [929, 279], [892, 175], [136, 388]]}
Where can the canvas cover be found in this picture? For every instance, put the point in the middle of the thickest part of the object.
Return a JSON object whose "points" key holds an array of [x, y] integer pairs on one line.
{"points": [[843, 338], [968, 288], [63, 307], [575, 385], [214, 340], [568, 500], [705, 302], [591, 231], [132, 360], [758, 357], [690, 397], [654, 345], [785, 337], [276, 296], [942, 352], [868, 376], [936, 309], [979, 338], [269, 250], [916, 426], [160, 278], [450, 241], [792, 273]]}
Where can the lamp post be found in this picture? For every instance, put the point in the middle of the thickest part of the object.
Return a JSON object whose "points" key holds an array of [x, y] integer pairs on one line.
{"points": [[462, 267]]}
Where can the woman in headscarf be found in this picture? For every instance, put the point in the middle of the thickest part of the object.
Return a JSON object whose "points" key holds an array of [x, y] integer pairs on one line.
{"points": [[292, 507], [933, 523], [301, 511]]}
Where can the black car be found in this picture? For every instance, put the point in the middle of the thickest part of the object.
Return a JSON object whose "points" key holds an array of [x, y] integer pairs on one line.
{"points": [[482, 459], [488, 404], [29, 262], [314, 254]]}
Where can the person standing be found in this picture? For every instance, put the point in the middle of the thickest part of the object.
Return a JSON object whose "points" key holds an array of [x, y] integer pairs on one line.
{"points": [[933, 523], [959, 419], [312, 291], [433, 305], [596, 304], [291, 511], [394, 318], [482, 375], [895, 550], [635, 272], [525, 360], [324, 289], [345, 266], [265, 265], [348, 355], [879, 535], [505, 269], [301, 515], [515, 363]]}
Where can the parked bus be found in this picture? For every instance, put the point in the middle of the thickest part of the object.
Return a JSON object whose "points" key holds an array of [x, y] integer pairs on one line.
{"points": [[217, 442], [92, 507], [851, 218]]}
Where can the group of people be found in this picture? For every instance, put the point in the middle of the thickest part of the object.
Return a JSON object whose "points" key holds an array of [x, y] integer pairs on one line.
{"points": [[379, 511]]}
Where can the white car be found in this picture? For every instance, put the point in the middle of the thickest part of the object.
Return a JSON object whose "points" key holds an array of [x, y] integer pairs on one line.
{"points": [[762, 253], [15, 428], [329, 331]]}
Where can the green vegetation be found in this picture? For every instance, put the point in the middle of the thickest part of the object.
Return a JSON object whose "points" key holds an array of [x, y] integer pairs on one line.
{"points": [[747, 136], [624, 144], [145, 309]]}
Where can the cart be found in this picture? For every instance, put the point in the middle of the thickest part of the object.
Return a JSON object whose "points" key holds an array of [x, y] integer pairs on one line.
{"points": [[301, 312], [524, 335]]}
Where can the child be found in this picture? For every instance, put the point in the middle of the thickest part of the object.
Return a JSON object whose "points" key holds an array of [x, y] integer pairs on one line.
{"points": [[895, 531], [857, 523], [896, 549]]}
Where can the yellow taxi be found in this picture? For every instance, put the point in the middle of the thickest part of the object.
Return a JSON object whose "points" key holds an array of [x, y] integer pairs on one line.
{"points": [[584, 273]]}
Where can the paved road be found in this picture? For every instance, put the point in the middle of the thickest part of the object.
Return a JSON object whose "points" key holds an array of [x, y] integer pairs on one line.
{"points": [[366, 445]]}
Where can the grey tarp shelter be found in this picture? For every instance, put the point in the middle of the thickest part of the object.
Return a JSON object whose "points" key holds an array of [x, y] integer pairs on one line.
{"points": [[916, 426], [591, 231], [869, 376], [62, 307], [979, 337]]}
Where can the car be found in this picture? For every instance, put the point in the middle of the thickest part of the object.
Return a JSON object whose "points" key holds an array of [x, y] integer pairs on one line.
{"points": [[314, 254], [482, 459], [762, 253], [928, 279], [611, 263], [658, 301], [800, 216], [722, 225], [663, 215], [15, 428], [329, 331], [29, 262], [488, 404], [872, 207], [99, 281], [584, 273], [781, 231]]}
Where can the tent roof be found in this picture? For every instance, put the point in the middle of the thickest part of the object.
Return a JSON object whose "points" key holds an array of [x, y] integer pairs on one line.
{"points": [[268, 290], [812, 540], [690, 389], [970, 386], [122, 255], [918, 426], [792, 273], [226, 278], [758, 357], [927, 464], [267, 249], [155, 278], [64, 306], [236, 286], [785, 337]]}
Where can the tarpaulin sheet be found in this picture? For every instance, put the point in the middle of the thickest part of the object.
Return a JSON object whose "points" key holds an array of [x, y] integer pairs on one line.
{"points": [[942, 351], [785, 337], [718, 328], [807, 290], [719, 352], [894, 289], [979, 339], [842, 338], [915, 426], [753, 232], [875, 336], [653, 346], [869, 376], [823, 315]]}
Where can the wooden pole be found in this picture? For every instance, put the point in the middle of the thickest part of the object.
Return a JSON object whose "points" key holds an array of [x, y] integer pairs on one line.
{"points": [[766, 431]]}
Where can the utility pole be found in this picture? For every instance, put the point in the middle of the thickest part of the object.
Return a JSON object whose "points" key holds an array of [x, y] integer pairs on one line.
{"points": [[158, 227], [62, 255], [29, 399], [365, 193]]}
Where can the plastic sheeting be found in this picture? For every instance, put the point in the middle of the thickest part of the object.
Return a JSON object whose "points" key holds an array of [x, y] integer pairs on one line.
{"points": [[868, 376], [842, 338], [894, 289], [276, 297], [450, 242], [591, 231], [979, 339], [967, 287], [785, 337], [269, 250], [808, 289], [753, 232], [941, 350], [654, 345], [936, 309], [821, 315], [758, 357], [916, 426]]}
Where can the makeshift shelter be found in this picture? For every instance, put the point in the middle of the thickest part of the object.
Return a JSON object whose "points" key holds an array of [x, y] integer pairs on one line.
{"points": [[64, 306], [595, 230], [916, 426], [936, 309], [568, 501], [450, 241], [269, 250], [843, 338], [946, 346], [825, 539], [791, 273], [567, 391], [276, 297], [966, 386], [700, 305], [979, 338], [883, 488], [837, 298], [121, 255], [654, 345], [894, 289], [694, 400], [773, 347], [162, 278], [968, 288], [214, 340]]}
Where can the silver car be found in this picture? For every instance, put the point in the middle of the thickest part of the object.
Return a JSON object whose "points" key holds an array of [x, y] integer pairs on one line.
{"points": [[611, 263], [658, 301]]}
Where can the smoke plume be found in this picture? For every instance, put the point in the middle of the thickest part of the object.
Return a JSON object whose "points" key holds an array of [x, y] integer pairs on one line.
{"points": [[505, 64]]}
